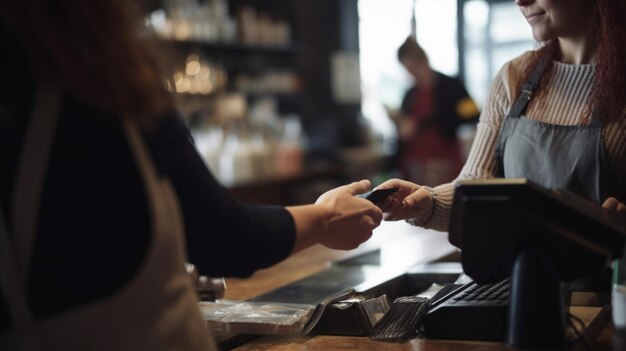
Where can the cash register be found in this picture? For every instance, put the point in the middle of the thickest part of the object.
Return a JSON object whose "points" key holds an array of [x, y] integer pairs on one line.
{"points": [[520, 244]]}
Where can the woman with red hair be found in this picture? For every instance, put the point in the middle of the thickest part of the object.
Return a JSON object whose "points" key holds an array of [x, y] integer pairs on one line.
{"points": [[554, 115]]}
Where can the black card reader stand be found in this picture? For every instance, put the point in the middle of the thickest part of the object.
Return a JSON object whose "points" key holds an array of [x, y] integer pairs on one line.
{"points": [[538, 237], [536, 317]]}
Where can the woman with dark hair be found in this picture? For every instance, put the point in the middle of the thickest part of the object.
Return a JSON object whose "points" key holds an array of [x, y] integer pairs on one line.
{"points": [[555, 115], [103, 195], [432, 111]]}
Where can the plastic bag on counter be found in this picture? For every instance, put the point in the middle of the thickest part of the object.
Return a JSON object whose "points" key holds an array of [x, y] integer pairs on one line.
{"points": [[257, 318]]}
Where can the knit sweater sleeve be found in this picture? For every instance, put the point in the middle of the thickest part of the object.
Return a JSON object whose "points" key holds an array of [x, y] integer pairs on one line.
{"points": [[481, 159]]}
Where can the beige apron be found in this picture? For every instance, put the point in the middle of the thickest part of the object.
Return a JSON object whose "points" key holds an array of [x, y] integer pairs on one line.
{"points": [[156, 310]]}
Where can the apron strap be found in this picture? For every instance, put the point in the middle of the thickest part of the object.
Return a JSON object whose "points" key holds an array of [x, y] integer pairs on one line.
{"points": [[528, 88], [31, 173], [15, 254], [23, 324]]}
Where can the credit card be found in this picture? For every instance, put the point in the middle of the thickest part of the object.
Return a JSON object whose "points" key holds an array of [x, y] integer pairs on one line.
{"points": [[379, 195]]}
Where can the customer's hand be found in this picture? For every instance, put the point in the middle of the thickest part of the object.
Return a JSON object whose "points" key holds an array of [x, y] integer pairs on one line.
{"points": [[409, 202], [350, 219]]}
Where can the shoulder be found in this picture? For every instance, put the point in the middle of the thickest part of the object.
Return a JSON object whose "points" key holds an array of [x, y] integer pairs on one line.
{"points": [[501, 93], [450, 87], [509, 76], [169, 126], [512, 71], [444, 80], [169, 140], [444, 77]]}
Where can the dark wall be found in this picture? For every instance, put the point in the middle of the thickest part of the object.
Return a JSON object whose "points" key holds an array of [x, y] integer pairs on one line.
{"points": [[319, 29], [323, 28]]}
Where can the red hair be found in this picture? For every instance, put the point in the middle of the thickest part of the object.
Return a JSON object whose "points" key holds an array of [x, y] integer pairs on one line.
{"points": [[95, 48], [608, 93]]}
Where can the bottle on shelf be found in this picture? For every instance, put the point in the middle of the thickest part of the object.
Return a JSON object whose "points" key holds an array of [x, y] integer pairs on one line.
{"points": [[209, 21], [290, 152]]}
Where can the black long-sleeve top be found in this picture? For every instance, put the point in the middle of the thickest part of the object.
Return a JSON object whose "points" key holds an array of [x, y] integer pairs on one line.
{"points": [[93, 227], [452, 105]]}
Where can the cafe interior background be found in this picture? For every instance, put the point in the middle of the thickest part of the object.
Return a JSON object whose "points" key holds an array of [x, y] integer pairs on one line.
{"points": [[288, 98]]}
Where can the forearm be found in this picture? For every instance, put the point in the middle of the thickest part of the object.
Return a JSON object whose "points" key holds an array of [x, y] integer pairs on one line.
{"points": [[224, 237], [480, 164], [310, 221]]}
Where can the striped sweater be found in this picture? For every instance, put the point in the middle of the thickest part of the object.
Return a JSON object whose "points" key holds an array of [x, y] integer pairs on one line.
{"points": [[567, 93]]}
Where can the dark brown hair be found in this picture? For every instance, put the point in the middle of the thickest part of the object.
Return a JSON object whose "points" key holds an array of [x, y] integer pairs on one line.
{"points": [[410, 48], [95, 48], [608, 94]]}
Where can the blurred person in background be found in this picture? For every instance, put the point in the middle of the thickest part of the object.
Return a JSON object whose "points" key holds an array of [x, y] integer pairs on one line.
{"points": [[429, 151], [104, 197]]}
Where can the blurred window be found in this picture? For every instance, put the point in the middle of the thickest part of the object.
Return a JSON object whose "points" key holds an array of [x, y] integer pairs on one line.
{"points": [[435, 28], [383, 27], [494, 32]]}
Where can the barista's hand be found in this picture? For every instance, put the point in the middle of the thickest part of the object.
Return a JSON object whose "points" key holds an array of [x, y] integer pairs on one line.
{"points": [[613, 204], [350, 219], [409, 202]]}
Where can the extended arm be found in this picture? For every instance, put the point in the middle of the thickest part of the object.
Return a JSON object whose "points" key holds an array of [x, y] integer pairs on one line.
{"points": [[229, 238]]}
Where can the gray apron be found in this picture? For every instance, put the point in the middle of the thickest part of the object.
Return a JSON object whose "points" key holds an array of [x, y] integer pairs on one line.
{"points": [[558, 157], [554, 156]]}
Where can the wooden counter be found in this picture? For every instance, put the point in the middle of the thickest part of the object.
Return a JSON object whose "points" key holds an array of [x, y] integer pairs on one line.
{"points": [[401, 246]]}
